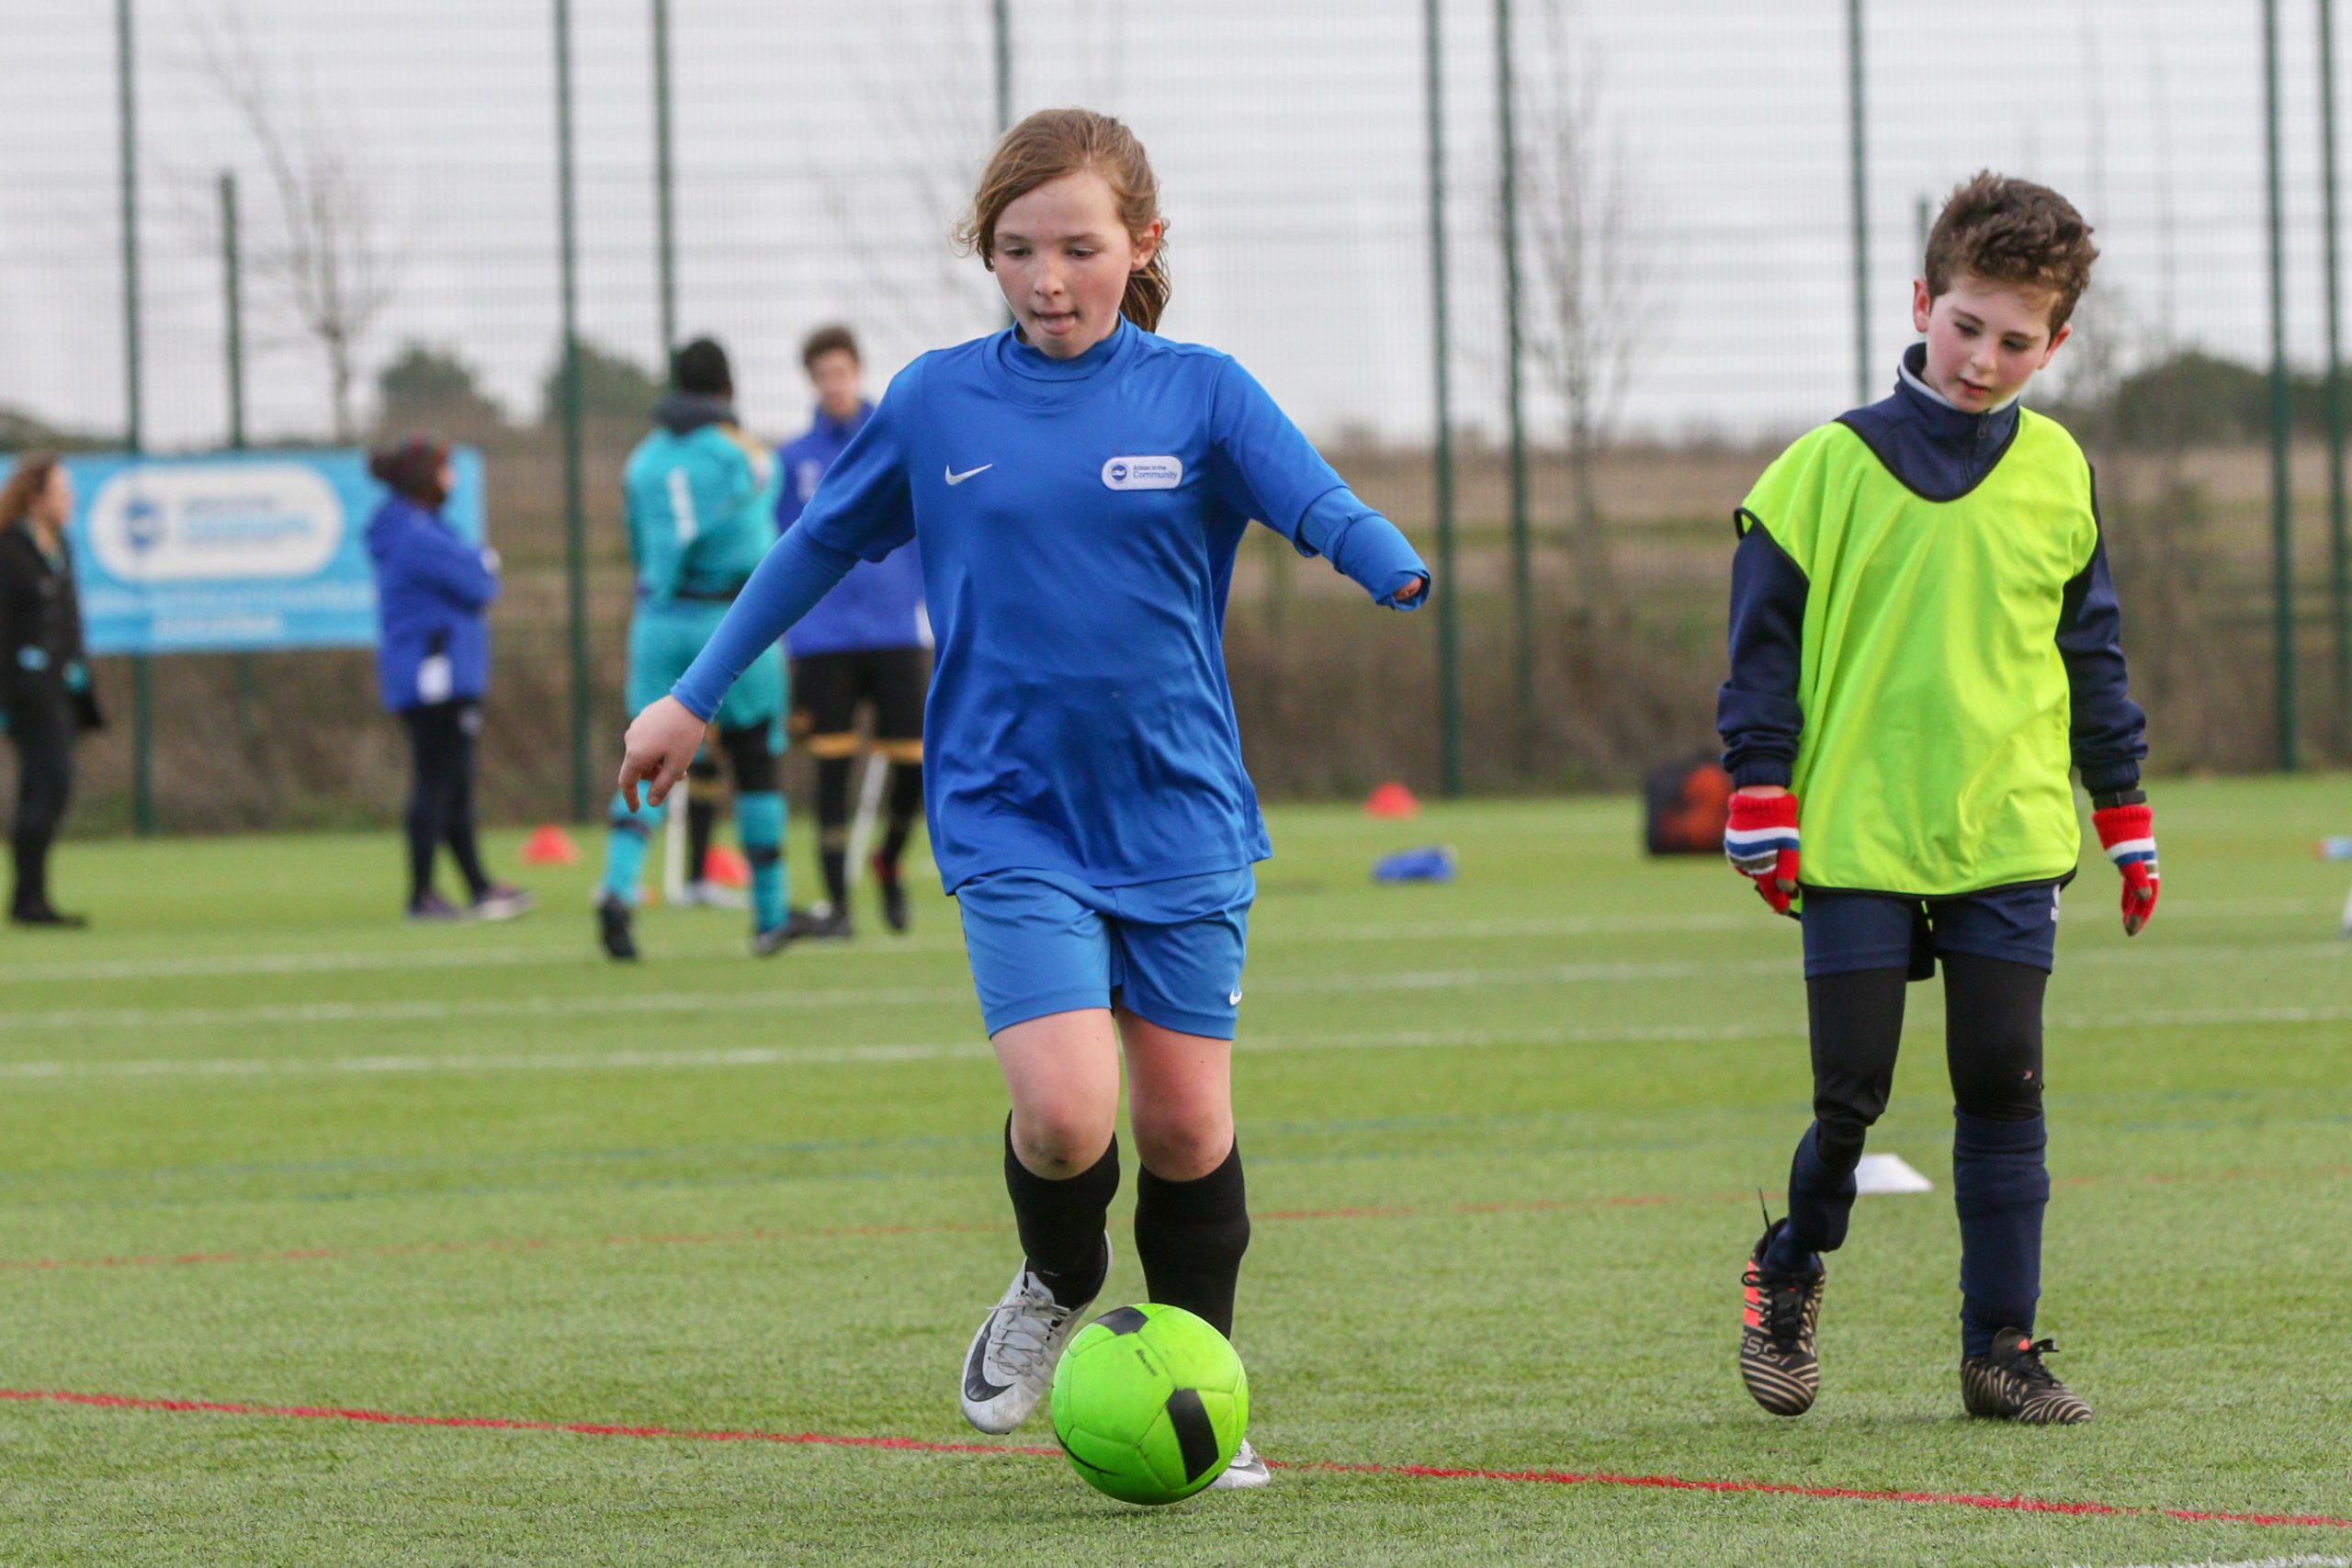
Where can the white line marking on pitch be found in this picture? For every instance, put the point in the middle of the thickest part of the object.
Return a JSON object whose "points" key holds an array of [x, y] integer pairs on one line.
{"points": [[935, 1051], [2252, 1563], [1270, 933], [431, 1011]]}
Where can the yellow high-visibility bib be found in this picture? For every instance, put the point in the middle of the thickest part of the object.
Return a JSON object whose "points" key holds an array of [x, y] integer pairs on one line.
{"points": [[1934, 758]]}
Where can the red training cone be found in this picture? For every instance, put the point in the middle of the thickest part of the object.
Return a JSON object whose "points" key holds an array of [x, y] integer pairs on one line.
{"points": [[726, 868], [549, 845], [1392, 799]]}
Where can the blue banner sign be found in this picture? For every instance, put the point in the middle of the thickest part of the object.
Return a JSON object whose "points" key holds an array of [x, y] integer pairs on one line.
{"points": [[254, 550]]}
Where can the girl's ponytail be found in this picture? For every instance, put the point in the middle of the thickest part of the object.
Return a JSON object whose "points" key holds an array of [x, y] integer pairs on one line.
{"points": [[1147, 291]]}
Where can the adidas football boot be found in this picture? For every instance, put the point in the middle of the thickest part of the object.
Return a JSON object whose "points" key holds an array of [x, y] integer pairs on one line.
{"points": [[1777, 1324], [2011, 1384]]}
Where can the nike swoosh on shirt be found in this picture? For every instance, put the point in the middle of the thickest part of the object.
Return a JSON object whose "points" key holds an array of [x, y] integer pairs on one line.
{"points": [[955, 479]]}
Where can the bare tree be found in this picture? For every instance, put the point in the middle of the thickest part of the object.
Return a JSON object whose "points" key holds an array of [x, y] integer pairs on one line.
{"points": [[930, 125], [1590, 296], [928, 122], [327, 254], [2092, 366]]}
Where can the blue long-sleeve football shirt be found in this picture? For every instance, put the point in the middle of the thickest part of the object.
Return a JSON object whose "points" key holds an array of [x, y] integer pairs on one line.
{"points": [[1077, 522]]}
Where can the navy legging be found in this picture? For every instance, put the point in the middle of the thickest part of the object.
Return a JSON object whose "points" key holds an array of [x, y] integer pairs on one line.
{"points": [[441, 797]]}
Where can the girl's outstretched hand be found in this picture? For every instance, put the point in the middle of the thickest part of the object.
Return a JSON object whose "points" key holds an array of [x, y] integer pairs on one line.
{"points": [[660, 746]]}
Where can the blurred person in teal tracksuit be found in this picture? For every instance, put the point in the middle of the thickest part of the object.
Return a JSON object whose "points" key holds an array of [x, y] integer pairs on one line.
{"points": [[701, 495]]}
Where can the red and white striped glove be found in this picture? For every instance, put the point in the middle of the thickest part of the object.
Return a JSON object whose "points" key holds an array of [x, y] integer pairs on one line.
{"points": [[1761, 844], [2128, 834]]}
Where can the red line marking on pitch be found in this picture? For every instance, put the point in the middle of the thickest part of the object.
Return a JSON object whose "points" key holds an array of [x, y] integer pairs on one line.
{"points": [[1408, 1472], [500, 1423], [449, 1249], [718, 1239]]}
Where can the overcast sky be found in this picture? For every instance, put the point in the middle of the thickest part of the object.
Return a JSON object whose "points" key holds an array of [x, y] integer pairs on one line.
{"points": [[822, 150]]}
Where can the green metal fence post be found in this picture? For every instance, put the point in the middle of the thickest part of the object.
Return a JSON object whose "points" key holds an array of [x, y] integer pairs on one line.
{"points": [[233, 300], [1521, 564], [2339, 560], [233, 343], [1449, 596], [143, 692], [576, 522], [665, 220], [1857, 149], [1001, 18], [2282, 563]]}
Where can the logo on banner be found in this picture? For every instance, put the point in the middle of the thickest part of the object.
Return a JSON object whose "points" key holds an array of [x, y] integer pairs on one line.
{"points": [[142, 523], [1144, 473], [194, 524]]}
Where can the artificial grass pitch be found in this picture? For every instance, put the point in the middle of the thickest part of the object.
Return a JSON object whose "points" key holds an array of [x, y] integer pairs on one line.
{"points": [[328, 1238]]}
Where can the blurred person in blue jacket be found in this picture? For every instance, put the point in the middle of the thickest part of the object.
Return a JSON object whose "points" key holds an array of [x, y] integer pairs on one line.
{"points": [[699, 493], [434, 590], [867, 643]]}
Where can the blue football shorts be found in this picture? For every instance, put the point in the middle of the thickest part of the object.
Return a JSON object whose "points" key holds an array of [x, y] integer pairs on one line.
{"points": [[1169, 952], [1848, 931]]}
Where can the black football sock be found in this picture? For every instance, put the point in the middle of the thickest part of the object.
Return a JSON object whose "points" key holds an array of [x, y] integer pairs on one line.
{"points": [[702, 821], [906, 805], [1061, 1221], [2001, 1185], [1190, 1236], [2000, 1181], [32, 872], [702, 813], [1821, 1199], [832, 827]]}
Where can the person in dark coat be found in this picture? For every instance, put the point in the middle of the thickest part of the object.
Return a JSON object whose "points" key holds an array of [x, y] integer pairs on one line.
{"points": [[432, 594], [45, 692]]}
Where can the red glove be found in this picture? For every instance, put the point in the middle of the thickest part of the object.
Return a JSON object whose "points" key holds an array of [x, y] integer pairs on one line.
{"points": [[2128, 834], [1761, 844]]}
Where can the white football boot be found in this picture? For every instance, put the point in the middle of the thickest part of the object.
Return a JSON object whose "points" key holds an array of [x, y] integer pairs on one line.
{"points": [[1246, 1471], [1010, 1364], [712, 895]]}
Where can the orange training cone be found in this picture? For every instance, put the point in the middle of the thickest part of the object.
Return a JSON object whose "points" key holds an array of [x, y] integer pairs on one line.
{"points": [[549, 845], [726, 868], [1392, 799]]}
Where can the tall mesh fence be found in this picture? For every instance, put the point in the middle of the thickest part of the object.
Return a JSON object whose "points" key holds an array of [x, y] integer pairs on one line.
{"points": [[1689, 301]]}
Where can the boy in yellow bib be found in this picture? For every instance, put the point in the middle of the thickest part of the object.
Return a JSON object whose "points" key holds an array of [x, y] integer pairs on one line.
{"points": [[1924, 638]]}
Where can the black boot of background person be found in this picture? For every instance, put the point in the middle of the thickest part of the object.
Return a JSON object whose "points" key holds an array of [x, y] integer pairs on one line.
{"points": [[30, 905]]}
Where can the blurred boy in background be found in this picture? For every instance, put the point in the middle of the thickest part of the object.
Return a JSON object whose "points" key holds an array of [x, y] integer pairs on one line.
{"points": [[867, 644]]}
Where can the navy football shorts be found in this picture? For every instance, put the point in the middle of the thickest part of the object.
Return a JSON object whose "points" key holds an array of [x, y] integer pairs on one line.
{"points": [[1849, 931]]}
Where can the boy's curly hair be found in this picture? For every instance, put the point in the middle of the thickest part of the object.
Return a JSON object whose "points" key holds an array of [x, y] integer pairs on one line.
{"points": [[2011, 231]]}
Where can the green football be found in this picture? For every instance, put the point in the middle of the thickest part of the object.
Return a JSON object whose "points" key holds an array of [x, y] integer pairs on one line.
{"points": [[1149, 1403]]}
